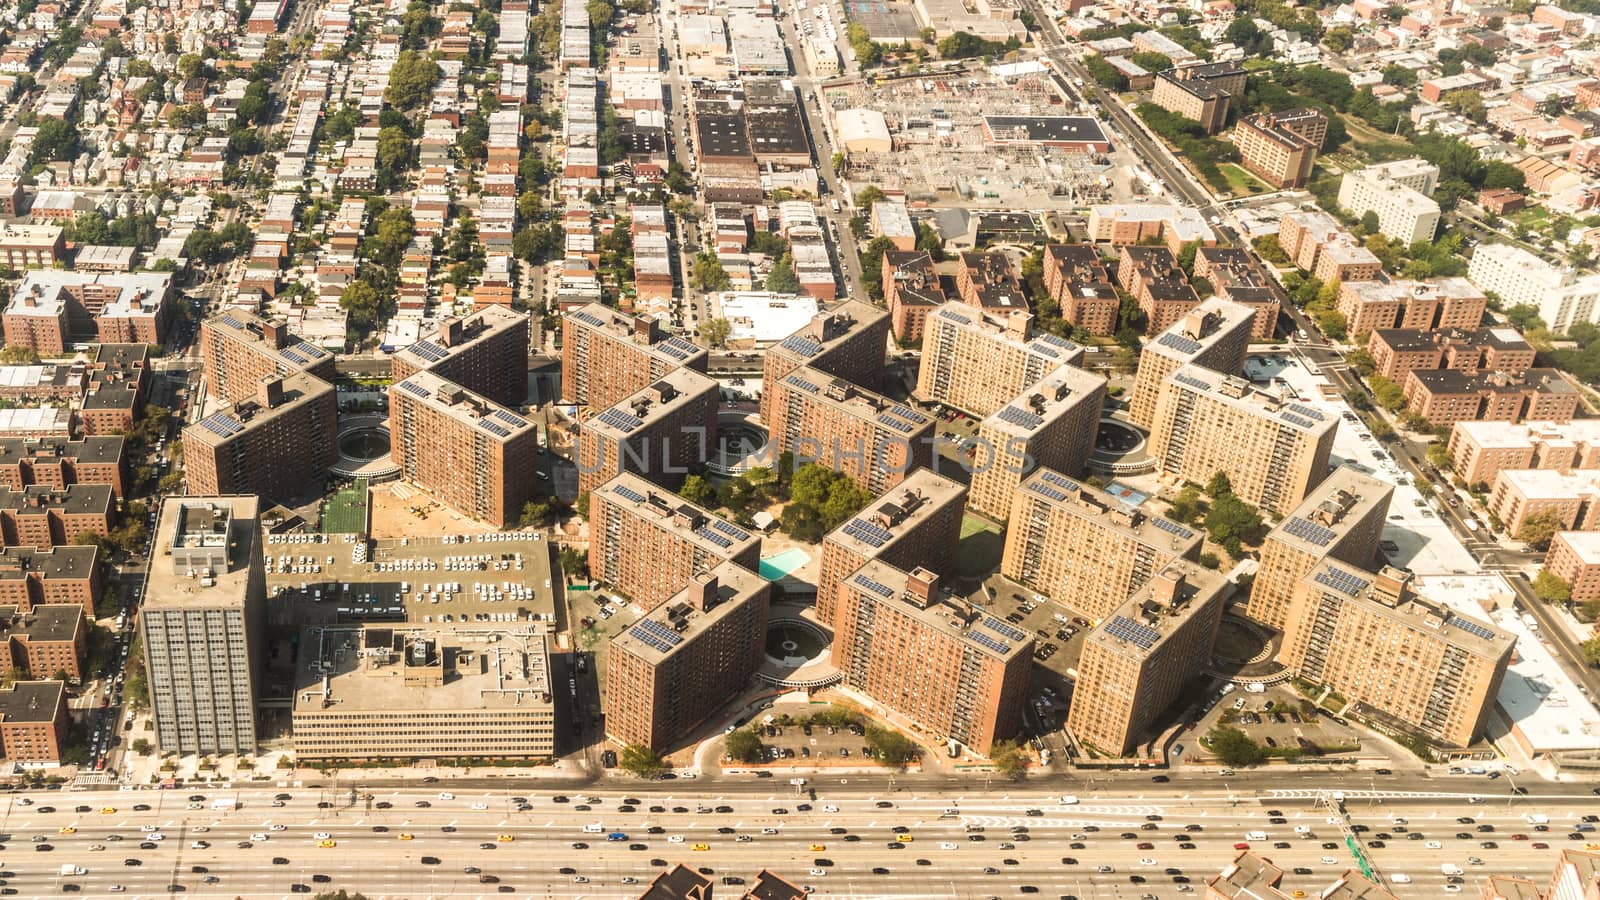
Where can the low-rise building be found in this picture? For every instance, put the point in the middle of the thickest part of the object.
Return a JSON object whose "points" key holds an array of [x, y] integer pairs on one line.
{"points": [[1201, 91], [1281, 147], [385, 692], [1396, 351], [1569, 496], [57, 463], [44, 516], [911, 290], [32, 576], [1574, 557], [1315, 242], [1479, 450], [33, 721], [1153, 277], [1447, 396], [32, 246], [1079, 282], [1237, 275], [49, 640], [1133, 223], [1444, 303], [1399, 193]]}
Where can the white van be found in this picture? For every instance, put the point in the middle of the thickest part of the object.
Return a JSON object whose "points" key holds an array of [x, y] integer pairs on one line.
{"points": [[1255, 835], [593, 829], [1537, 819], [1400, 878], [1450, 869], [1069, 800]]}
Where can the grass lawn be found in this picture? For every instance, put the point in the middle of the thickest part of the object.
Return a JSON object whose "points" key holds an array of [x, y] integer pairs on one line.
{"points": [[1240, 182], [980, 548], [346, 511]]}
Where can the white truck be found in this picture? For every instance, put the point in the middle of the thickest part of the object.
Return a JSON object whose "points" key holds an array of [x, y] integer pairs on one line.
{"points": [[225, 803], [1537, 819], [1450, 869], [70, 869]]}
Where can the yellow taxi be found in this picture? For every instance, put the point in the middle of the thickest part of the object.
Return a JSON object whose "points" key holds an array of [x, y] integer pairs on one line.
{"points": [[403, 836], [327, 844], [904, 838], [818, 848], [702, 847], [67, 829], [505, 838], [108, 810], [1298, 894]]}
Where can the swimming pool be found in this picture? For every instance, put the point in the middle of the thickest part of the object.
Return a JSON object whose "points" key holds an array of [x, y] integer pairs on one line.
{"points": [[781, 565]]}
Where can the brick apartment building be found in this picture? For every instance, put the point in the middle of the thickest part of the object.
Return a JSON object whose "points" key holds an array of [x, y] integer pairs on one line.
{"points": [[58, 463], [1315, 242], [1573, 497], [985, 281], [46, 641], [1281, 148], [1214, 335], [1342, 518], [42, 516], [485, 352], [911, 290], [1079, 282], [1479, 450], [1574, 557], [1237, 275], [676, 666], [1052, 424], [32, 246], [1273, 452], [827, 420], [31, 576], [1084, 547], [475, 457], [1144, 656], [847, 342], [979, 363], [607, 355], [648, 543], [240, 349], [1444, 303], [1397, 351], [955, 673], [662, 432], [1152, 276], [276, 446], [1202, 92], [1446, 396], [119, 386], [915, 524], [33, 721]]}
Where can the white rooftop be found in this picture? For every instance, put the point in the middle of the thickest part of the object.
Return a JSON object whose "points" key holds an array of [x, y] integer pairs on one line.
{"points": [[765, 317]]}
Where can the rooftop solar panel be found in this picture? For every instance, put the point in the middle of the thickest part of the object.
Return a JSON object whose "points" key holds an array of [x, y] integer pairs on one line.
{"points": [[1473, 628], [982, 639], [589, 319], [1060, 481], [1342, 581], [1178, 342], [802, 384], [415, 389], [1172, 527], [1195, 383], [1308, 530], [1020, 417], [954, 316], [801, 345], [714, 538], [1127, 629], [1307, 411], [221, 424], [494, 427], [897, 424], [1301, 421], [513, 420], [731, 530], [1045, 490], [1058, 341], [867, 532], [882, 590], [622, 421], [627, 493], [1004, 628]]}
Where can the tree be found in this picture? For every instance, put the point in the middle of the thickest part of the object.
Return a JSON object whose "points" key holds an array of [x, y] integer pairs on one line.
{"points": [[56, 140], [716, 331], [394, 156], [872, 265], [1219, 485], [782, 280], [1008, 759], [1551, 588], [697, 490], [1234, 747], [868, 53], [744, 746], [535, 513], [1369, 222], [890, 748], [363, 302], [1387, 393], [1539, 528], [1439, 455], [1339, 38], [707, 275], [1468, 104], [869, 195], [411, 80], [18, 355], [1231, 520], [1591, 651], [141, 746], [642, 761]]}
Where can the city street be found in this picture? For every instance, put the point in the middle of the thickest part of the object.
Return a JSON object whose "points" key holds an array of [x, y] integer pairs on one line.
{"points": [[364, 847]]}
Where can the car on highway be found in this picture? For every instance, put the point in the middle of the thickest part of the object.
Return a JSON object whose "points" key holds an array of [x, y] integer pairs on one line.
{"points": [[701, 847], [948, 845]]}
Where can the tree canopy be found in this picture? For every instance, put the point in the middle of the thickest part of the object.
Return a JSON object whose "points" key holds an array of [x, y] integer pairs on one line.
{"points": [[411, 80]]}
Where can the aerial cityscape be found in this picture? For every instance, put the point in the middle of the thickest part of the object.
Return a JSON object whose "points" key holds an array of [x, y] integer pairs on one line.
{"points": [[672, 448]]}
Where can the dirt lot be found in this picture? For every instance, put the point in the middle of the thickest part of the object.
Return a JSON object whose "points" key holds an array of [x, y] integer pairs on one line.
{"points": [[394, 514]]}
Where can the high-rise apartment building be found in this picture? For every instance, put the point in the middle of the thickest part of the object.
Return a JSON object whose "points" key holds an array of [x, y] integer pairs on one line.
{"points": [[979, 363], [1517, 277], [240, 349], [1079, 282], [1053, 425], [276, 445], [1144, 655], [1214, 335], [1399, 193], [686, 658], [663, 432], [203, 622], [1202, 92], [1085, 548], [1237, 275], [1424, 305], [1369, 637], [1281, 147], [834, 423], [846, 342], [607, 355], [474, 456], [1479, 450], [1273, 452], [913, 525], [955, 672], [485, 352], [648, 543], [1342, 518]]}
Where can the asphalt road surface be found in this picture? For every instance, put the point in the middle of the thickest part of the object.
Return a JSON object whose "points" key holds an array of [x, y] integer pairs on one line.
{"points": [[526, 851]]}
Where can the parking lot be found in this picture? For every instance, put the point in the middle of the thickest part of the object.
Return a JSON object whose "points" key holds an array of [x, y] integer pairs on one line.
{"points": [[1290, 722], [788, 732], [492, 577]]}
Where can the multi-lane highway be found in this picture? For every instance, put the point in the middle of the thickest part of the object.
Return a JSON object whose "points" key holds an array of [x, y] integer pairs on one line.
{"points": [[389, 844]]}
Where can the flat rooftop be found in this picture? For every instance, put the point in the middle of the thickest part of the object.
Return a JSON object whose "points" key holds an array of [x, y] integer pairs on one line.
{"points": [[1239, 393], [664, 397], [69, 561], [1147, 619], [90, 449], [671, 512], [950, 616], [668, 628], [377, 667], [1414, 339], [31, 701], [455, 337], [73, 499], [1051, 349], [36, 419], [1446, 288], [1455, 381], [1047, 129], [188, 529], [297, 353], [48, 622], [1324, 517], [828, 329], [1382, 593], [472, 410], [894, 514], [856, 401], [1108, 511], [234, 419], [621, 327]]}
